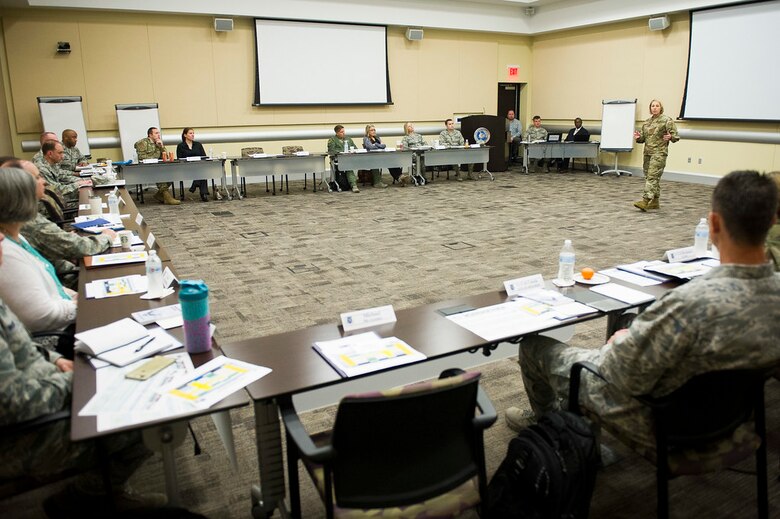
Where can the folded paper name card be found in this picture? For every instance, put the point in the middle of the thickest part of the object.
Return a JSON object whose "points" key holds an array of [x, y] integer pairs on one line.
{"points": [[518, 286], [369, 317]]}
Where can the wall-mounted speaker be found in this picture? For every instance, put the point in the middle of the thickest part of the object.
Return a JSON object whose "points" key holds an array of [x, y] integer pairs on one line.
{"points": [[223, 24], [658, 23], [414, 34]]}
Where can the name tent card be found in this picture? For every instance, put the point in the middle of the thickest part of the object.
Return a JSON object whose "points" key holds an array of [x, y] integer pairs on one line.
{"points": [[168, 278], [150, 240], [139, 219], [680, 255], [517, 286], [360, 319]]}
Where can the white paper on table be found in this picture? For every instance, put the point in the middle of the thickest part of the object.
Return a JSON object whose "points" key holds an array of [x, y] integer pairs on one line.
{"points": [[365, 353], [712, 262], [113, 287], [682, 270], [621, 293], [635, 279], [87, 207], [135, 240], [160, 341], [213, 381], [574, 309], [548, 297], [165, 293], [113, 335], [170, 322], [503, 320], [119, 402]]}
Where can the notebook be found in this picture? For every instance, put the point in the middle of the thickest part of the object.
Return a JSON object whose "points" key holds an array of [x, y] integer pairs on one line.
{"points": [[553, 137]]}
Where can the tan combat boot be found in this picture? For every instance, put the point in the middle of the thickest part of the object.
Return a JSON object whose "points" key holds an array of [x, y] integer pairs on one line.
{"points": [[168, 199], [641, 205], [653, 204]]}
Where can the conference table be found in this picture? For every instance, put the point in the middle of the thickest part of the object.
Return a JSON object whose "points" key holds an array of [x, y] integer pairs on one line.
{"points": [[454, 156], [161, 434], [254, 168], [375, 159], [184, 171], [297, 368], [561, 150]]}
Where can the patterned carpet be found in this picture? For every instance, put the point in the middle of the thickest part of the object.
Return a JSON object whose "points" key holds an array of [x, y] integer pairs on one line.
{"points": [[284, 262]]}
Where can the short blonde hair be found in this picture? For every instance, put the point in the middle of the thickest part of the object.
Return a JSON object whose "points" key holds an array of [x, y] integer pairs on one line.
{"points": [[659, 104], [406, 127]]}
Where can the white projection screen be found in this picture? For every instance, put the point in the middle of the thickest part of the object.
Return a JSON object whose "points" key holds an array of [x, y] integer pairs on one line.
{"points": [[314, 63], [733, 64]]}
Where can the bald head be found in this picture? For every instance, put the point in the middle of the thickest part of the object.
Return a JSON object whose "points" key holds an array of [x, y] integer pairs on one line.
{"points": [[48, 136], [69, 138]]}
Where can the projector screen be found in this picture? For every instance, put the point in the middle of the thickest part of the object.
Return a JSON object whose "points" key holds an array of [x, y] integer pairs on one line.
{"points": [[733, 65], [312, 63]]}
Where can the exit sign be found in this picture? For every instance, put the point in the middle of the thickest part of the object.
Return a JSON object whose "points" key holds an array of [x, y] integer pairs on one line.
{"points": [[513, 71]]}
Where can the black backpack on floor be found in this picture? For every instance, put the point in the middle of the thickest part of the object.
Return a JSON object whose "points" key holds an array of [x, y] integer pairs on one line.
{"points": [[340, 182], [548, 473]]}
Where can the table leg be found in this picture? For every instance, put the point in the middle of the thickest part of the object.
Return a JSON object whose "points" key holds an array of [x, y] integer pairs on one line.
{"points": [[269, 495], [164, 439]]}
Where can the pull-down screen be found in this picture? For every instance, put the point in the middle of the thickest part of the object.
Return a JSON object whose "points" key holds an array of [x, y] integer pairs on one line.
{"points": [[733, 64], [306, 63]]}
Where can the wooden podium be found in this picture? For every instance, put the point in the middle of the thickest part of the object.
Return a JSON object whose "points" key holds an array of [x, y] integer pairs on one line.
{"points": [[497, 127]]}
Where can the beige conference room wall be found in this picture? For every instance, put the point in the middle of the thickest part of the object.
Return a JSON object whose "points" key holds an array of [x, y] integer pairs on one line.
{"points": [[205, 79], [580, 68]]}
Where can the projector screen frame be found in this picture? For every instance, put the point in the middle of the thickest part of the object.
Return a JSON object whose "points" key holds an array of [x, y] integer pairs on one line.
{"points": [[257, 103], [682, 116]]}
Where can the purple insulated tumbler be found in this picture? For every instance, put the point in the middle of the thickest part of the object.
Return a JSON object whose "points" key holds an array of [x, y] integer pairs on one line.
{"points": [[194, 299]]}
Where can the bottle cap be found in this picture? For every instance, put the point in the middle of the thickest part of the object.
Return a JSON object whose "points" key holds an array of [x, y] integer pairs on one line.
{"points": [[567, 242], [193, 290], [152, 252]]}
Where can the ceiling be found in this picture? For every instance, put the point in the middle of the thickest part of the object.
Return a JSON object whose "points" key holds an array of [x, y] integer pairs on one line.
{"points": [[524, 17]]}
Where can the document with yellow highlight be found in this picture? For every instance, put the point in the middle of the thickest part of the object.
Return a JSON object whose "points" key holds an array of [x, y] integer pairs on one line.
{"points": [[213, 381], [366, 352]]}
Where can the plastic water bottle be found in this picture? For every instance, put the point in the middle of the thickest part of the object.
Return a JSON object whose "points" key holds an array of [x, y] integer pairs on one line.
{"points": [[566, 264], [113, 203], [194, 299], [154, 278], [700, 238], [211, 153], [346, 146]]}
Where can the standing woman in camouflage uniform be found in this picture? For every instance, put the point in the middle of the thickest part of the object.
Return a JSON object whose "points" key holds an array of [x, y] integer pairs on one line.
{"points": [[657, 132]]}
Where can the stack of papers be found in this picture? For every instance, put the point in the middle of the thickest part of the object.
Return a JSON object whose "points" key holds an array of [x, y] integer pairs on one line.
{"points": [[621, 293], [682, 270], [118, 258], [366, 352], [123, 342]]}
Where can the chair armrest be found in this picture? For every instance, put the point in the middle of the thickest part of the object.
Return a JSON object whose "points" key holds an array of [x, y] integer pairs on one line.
{"points": [[52, 333], [300, 437], [35, 423], [489, 415], [574, 383]]}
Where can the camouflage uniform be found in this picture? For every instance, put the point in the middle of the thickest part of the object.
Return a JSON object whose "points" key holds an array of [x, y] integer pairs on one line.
{"points": [[656, 150], [535, 134], [32, 386], [336, 146], [773, 245], [415, 140], [37, 157], [454, 138], [714, 322], [73, 157], [59, 246], [65, 182], [147, 149]]}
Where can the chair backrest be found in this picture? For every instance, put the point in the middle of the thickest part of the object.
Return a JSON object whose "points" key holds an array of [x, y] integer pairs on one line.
{"points": [[291, 150], [407, 445], [709, 406], [246, 152]]}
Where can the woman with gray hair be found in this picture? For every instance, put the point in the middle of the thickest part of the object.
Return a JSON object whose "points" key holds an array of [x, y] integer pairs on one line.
{"points": [[28, 282]]}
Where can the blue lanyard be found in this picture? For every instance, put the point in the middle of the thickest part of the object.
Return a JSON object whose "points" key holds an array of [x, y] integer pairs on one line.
{"points": [[46, 264]]}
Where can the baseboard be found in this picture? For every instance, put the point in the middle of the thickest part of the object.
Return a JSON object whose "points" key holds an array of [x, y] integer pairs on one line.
{"points": [[674, 176]]}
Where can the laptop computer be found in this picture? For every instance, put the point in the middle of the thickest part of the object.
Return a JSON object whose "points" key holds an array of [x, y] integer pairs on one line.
{"points": [[553, 137]]}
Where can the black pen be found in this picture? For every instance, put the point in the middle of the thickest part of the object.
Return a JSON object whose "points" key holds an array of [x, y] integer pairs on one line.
{"points": [[142, 346]]}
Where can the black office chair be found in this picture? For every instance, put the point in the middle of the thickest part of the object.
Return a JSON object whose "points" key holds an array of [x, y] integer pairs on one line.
{"points": [[711, 423], [55, 208], [419, 447]]}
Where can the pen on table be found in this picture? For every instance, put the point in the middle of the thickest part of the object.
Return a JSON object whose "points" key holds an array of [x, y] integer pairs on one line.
{"points": [[142, 346]]}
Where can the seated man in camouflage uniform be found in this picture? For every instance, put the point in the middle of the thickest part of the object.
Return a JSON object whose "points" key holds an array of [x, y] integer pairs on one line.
{"points": [[451, 137], [152, 148], [73, 156], [65, 182], [55, 244], [533, 134], [339, 143], [34, 383], [718, 321]]}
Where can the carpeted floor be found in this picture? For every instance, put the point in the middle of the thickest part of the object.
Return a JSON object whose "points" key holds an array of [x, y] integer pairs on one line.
{"points": [[278, 263]]}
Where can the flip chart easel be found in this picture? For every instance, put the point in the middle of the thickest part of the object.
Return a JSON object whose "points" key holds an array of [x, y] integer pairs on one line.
{"points": [[617, 129]]}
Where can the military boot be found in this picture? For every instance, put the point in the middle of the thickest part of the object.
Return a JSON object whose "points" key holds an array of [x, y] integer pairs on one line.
{"points": [[168, 198], [641, 205], [653, 204]]}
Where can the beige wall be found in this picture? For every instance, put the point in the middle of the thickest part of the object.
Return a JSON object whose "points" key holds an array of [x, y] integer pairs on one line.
{"points": [[205, 79], [581, 67]]}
